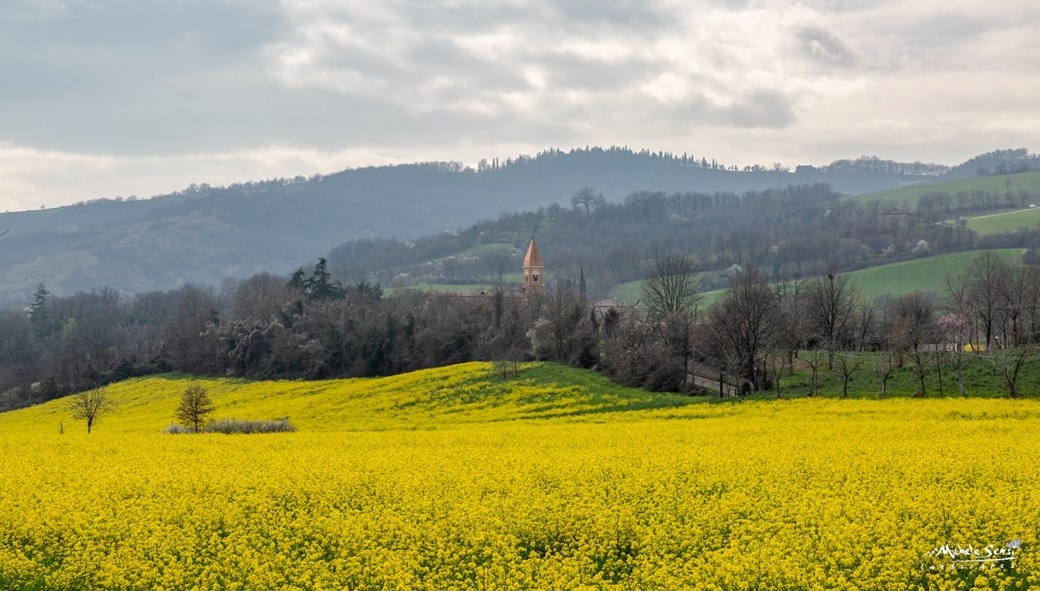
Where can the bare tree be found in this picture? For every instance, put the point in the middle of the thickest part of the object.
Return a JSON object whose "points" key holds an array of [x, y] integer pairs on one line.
{"points": [[884, 367], [912, 327], [1014, 293], [195, 407], [672, 295], [848, 364], [830, 307], [956, 332], [195, 311], [790, 297], [90, 405], [673, 287], [497, 263], [587, 198], [562, 331], [776, 366], [260, 297], [1008, 362], [984, 278], [743, 326]]}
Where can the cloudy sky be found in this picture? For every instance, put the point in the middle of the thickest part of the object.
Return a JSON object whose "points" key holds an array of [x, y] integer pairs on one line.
{"points": [[101, 98]]}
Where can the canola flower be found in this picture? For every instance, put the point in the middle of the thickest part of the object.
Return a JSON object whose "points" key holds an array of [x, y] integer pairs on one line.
{"points": [[809, 494]]}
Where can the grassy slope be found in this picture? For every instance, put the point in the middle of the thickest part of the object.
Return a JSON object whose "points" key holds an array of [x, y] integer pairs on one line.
{"points": [[1027, 181], [490, 248], [980, 379], [448, 287], [924, 274], [1007, 221], [466, 393], [893, 279], [631, 292]]}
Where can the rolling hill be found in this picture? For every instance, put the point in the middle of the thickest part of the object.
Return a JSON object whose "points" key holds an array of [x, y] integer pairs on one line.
{"points": [[204, 234], [427, 399], [909, 195], [922, 274]]}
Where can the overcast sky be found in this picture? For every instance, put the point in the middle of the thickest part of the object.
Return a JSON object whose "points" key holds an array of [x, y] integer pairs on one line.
{"points": [[100, 98]]}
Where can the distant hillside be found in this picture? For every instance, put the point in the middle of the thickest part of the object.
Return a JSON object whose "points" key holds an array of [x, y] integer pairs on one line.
{"points": [[999, 185], [204, 234]]}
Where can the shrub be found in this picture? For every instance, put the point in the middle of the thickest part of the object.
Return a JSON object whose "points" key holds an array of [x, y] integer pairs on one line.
{"points": [[233, 426], [175, 429]]}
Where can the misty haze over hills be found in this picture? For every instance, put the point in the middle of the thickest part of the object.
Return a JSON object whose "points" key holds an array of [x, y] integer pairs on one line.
{"points": [[204, 234]]}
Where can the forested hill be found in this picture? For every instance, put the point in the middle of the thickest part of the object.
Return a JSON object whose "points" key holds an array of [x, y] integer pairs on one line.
{"points": [[204, 234]]}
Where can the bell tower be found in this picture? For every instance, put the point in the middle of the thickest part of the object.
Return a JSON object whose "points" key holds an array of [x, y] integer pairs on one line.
{"points": [[534, 270]]}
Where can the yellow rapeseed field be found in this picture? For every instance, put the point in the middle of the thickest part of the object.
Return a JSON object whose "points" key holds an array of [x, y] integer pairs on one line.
{"points": [[453, 479]]}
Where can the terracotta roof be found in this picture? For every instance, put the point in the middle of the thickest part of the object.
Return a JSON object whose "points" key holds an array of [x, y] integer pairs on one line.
{"points": [[533, 258]]}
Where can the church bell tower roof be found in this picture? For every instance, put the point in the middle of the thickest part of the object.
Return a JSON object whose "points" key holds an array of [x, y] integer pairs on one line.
{"points": [[533, 258]]}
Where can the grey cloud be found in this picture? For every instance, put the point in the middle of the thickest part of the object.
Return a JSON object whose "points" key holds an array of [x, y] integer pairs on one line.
{"points": [[21, 12], [763, 108], [568, 71], [159, 77], [625, 14], [441, 56], [114, 69], [824, 48], [452, 17], [132, 76]]}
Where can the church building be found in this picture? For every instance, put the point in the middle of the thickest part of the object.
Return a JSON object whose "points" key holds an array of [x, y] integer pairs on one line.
{"points": [[534, 270]]}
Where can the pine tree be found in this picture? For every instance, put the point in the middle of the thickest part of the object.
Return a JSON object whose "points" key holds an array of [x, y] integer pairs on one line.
{"points": [[40, 312], [321, 286]]}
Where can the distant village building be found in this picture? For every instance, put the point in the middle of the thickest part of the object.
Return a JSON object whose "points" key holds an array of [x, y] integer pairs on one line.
{"points": [[602, 307], [895, 219], [534, 270], [895, 216]]}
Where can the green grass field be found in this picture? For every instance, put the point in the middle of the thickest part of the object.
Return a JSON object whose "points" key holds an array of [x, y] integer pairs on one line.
{"points": [[444, 287], [631, 291], [924, 274], [893, 279], [980, 377], [1006, 221], [627, 293], [908, 196], [483, 249]]}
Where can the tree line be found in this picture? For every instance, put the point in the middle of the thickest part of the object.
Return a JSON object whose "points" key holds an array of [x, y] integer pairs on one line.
{"points": [[787, 233], [312, 326], [755, 331]]}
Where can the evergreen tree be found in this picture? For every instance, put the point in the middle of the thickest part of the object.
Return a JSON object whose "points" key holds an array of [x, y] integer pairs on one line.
{"points": [[296, 280], [321, 286], [40, 312]]}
